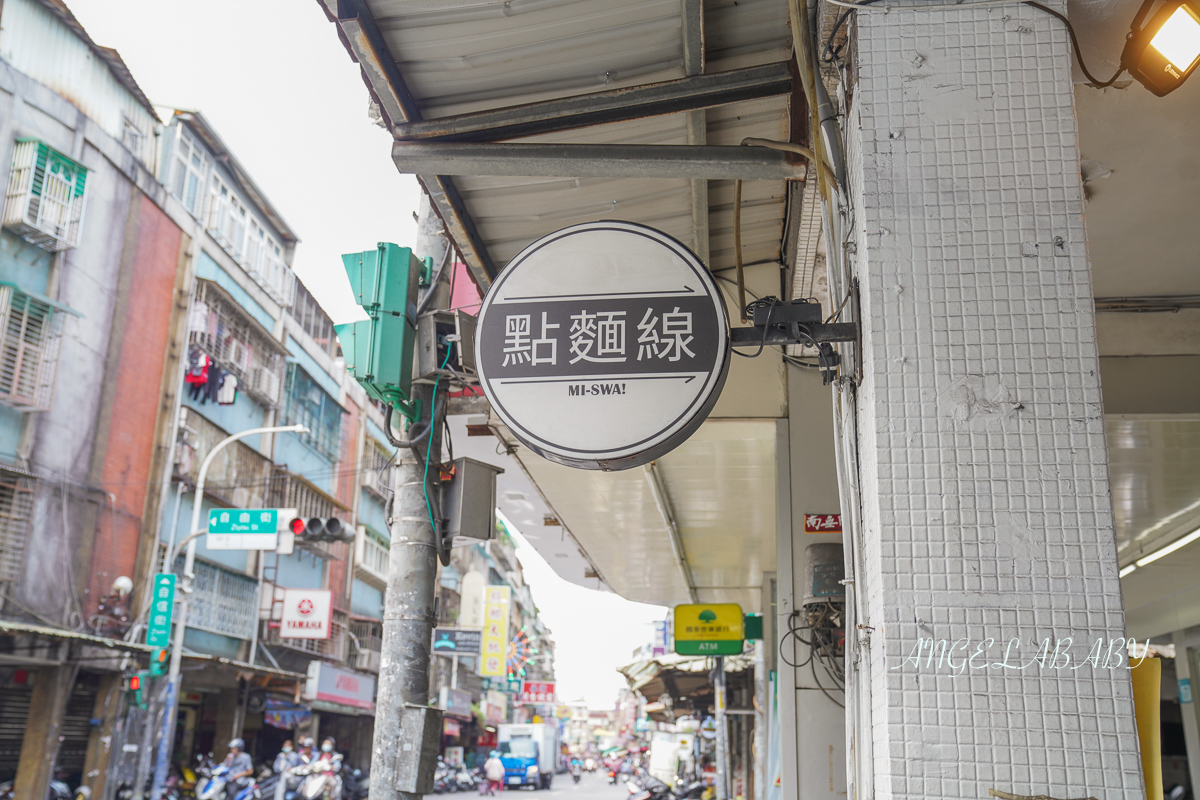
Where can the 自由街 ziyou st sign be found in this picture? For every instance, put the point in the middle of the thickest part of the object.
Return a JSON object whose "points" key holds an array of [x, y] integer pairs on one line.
{"points": [[603, 345]]}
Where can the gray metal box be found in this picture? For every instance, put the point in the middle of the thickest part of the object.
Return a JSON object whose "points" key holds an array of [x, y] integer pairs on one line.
{"points": [[420, 735], [470, 502]]}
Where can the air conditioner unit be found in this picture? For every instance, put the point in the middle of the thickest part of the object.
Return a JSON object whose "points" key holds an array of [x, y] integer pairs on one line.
{"points": [[266, 383], [45, 196], [239, 354], [367, 660]]}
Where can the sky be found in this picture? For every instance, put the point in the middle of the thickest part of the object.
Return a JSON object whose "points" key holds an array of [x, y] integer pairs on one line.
{"points": [[275, 81], [587, 651]]}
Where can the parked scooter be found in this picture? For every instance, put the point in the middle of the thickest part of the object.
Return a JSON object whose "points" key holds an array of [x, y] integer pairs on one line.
{"points": [[57, 791]]}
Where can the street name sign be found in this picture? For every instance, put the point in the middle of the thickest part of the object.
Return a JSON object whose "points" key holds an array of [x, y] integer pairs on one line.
{"points": [[242, 529], [603, 345], [713, 629], [162, 606]]}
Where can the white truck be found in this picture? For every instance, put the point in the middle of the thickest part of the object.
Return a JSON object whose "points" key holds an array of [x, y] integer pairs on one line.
{"points": [[529, 751]]}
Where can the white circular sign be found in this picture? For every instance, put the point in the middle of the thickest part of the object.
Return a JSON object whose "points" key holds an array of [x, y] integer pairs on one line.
{"points": [[603, 345]]}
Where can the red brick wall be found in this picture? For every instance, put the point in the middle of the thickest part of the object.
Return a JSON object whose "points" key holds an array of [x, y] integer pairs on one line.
{"points": [[138, 375], [345, 487]]}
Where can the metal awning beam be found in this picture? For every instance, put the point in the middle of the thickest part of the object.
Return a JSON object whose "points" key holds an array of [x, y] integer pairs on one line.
{"points": [[597, 161], [366, 44], [616, 105]]}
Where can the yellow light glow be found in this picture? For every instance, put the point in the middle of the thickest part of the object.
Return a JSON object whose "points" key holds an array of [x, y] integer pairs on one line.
{"points": [[1179, 38]]}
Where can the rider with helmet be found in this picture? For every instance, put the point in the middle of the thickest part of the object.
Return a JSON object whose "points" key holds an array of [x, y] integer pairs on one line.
{"points": [[289, 782], [241, 767]]}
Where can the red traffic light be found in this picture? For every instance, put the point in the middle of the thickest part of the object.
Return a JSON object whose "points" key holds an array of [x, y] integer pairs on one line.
{"points": [[297, 526], [135, 683]]}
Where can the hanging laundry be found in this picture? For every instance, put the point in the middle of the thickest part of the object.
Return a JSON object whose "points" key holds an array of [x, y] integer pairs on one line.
{"points": [[198, 318], [212, 388], [197, 368], [227, 395]]}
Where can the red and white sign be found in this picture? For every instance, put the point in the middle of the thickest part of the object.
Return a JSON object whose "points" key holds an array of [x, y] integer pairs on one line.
{"points": [[822, 523], [307, 614], [331, 684], [536, 692]]}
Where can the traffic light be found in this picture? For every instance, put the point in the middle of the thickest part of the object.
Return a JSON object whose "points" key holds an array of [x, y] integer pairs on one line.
{"points": [[159, 658], [321, 529], [134, 686], [379, 350]]}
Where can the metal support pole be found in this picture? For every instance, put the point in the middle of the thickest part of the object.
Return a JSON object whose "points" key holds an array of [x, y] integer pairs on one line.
{"points": [[408, 614], [167, 740], [722, 731], [454, 673]]}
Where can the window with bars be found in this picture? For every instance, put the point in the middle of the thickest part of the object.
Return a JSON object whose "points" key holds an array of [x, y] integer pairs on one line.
{"points": [[45, 198], [16, 508], [30, 335], [377, 470], [313, 319], [310, 405], [221, 601], [219, 327]]}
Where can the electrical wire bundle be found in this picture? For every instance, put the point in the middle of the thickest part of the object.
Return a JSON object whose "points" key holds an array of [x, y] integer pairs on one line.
{"points": [[823, 624]]}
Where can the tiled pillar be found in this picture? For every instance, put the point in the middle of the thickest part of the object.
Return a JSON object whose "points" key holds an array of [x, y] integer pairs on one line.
{"points": [[985, 502]]}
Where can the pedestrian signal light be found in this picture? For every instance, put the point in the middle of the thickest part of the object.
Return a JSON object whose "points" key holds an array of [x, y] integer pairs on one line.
{"points": [[134, 685], [321, 529], [158, 661]]}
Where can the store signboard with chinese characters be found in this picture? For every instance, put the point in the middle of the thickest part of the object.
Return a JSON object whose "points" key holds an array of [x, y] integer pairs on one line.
{"points": [[536, 692], [822, 523], [493, 661], [709, 629], [330, 684], [603, 345], [307, 614]]}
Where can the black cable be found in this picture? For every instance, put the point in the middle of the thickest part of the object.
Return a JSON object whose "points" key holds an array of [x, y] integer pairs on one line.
{"points": [[836, 26], [770, 301], [1092, 80]]}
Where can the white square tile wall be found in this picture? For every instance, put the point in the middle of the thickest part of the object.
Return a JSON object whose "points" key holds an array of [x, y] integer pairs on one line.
{"points": [[986, 496]]}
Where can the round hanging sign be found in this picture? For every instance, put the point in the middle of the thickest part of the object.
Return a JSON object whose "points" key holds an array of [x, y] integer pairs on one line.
{"points": [[603, 345]]}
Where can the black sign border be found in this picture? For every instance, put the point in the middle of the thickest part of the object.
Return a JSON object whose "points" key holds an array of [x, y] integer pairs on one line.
{"points": [[705, 401]]}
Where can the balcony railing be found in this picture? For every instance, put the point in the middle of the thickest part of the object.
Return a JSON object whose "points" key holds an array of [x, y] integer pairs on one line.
{"points": [[219, 327], [239, 476], [370, 558]]}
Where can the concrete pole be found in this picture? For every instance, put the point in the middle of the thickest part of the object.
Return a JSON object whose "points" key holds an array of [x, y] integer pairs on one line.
{"points": [[408, 615], [167, 739], [722, 731]]}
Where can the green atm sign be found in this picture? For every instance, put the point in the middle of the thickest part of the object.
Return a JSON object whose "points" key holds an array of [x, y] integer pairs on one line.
{"points": [[709, 629]]}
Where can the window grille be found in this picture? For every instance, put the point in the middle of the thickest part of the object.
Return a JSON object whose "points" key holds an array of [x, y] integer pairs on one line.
{"points": [[310, 405], [238, 476], [219, 327], [377, 471], [16, 508], [191, 166], [222, 601], [30, 335], [45, 199], [368, 638], [248, 241], [313, 319]]}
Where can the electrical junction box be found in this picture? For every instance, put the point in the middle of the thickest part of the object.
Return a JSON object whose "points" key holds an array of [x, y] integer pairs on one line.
{"points": [[440, 330], [470, 502], [824, 571], [379, 351], [417, 743]]}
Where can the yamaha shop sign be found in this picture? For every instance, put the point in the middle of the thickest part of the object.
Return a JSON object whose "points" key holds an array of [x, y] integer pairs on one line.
{"points": [[603, 345]]}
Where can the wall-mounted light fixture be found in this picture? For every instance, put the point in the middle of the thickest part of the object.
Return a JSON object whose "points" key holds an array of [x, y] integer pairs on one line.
{"points": [[1162, 53]]}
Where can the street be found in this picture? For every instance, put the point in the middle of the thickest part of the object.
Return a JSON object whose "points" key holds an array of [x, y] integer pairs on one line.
{"points": [[592, 786]]}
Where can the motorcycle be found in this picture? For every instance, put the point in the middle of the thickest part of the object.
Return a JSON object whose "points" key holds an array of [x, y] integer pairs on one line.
{"points": [[57, 791], [612, 777], [465, 781], [321, 779], [212, 782], [356, 785], [576, 772]]}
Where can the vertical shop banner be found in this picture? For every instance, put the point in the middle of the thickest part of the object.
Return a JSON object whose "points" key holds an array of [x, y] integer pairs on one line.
{"points": [[494, 647]]}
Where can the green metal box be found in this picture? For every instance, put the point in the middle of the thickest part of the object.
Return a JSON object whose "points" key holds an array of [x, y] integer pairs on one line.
{"points": [[379, 351]]}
